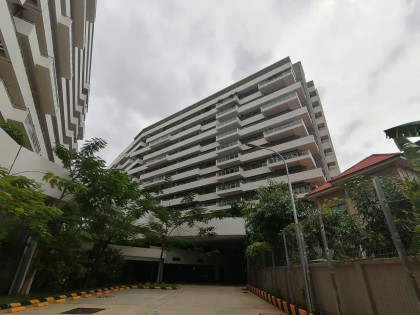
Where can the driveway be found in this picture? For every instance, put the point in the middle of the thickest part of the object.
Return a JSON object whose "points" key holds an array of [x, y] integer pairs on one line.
{"points": [[190, 299]]}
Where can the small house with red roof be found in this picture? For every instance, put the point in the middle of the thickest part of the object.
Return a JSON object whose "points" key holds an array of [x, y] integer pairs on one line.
{"points": [[389, 164]]}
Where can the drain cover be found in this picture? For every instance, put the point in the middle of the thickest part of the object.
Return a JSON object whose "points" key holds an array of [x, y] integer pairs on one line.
{"points": [[84, 310]]}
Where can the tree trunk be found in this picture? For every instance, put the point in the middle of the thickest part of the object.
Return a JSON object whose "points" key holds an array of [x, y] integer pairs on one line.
{"points": [[24, 273], [94, 255], [161, 263]]}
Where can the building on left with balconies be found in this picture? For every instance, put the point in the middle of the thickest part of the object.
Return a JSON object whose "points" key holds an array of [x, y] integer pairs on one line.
{"points": [[45, 61]]}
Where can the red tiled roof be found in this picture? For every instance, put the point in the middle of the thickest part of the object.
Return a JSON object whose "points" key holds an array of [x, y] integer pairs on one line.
{"points": [[322, 187], [365, 163]]}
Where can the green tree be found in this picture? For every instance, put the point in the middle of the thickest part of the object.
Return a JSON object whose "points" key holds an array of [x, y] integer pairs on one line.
{"points": [[266, 218], [104, 205], [15, 133], [404, 210], [164, 220], [342, 232], [23, 214], [23, 205], [400, 134]]}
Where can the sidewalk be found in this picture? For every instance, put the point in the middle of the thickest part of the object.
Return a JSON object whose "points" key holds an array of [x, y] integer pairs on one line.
{"points": [[190, 299]]}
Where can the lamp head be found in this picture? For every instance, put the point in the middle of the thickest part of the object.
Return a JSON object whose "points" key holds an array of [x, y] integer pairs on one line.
{"points": [[251, 145]]}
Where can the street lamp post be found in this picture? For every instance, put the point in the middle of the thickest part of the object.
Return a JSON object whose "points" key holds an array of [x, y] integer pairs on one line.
{"points": [[299, 235]]}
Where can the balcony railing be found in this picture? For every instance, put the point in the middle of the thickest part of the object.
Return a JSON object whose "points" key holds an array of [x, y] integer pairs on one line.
{"points": [[229, 171], [227, 158], [223, 134], [159, 140], [278, 100], [287, 156], [301, 190], [224, 203], [273, 77], [229, 186], [226, 111], [157, 158], [226, 122], [227, 145], [227, 100], [29, 126], [293, 123]]}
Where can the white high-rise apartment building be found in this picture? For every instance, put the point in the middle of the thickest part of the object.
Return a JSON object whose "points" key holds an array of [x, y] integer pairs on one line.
{"points": [[45, 61], [202, 147]]}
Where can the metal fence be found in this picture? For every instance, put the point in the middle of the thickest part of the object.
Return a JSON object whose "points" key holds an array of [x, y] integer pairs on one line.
{"points": [[352, 270]]}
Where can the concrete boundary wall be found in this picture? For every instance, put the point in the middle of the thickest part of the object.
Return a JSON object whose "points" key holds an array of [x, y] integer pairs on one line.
{"points": [[377, 286]]}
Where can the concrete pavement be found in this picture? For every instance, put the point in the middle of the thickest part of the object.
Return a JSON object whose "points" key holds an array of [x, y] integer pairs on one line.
{"points": [[190, 299]]}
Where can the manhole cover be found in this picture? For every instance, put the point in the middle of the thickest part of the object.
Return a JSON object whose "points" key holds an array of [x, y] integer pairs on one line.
{"points": [[84, 310]]}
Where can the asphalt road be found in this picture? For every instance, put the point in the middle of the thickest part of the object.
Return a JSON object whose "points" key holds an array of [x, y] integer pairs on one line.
{"points": [[190, 299]]}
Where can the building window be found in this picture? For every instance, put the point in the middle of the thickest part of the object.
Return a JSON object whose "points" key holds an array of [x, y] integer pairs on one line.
{"points": [[340, 207], [2, 51]]}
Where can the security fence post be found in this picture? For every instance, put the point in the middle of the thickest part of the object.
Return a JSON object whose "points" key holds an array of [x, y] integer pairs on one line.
{"points": [[397, 240]]}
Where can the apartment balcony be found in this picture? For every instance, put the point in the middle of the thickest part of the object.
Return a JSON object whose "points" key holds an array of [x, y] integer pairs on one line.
{"points": [[230, 174], [136, 162], [230, 148], [292, 159], [138, 169], [178, 166], [301, 191], [280, 104], [323, 132], [228, 136], [186, 132], [64, 47], [193, 184], [183, 153], [297, 114], [277, 81], [226, 204], [154, 181], [30, 131], [228, 161], [47, 85], [228, 101], [229, 189], [160, 159], [330, 157], [171, 202], [326, 144], [190, 173], [227, 113], [230, 123], [296, 127], [160, 141]]}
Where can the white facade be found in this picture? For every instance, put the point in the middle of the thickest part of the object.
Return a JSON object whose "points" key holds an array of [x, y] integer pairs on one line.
{"points": [[45, 60], [202, 148]]}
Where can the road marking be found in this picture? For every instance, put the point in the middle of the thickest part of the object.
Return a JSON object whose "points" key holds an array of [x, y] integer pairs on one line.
{"points": [[136, 308]]}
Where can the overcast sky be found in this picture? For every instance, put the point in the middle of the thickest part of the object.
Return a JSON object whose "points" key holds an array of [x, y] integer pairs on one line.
{"points": [[154, 58]]}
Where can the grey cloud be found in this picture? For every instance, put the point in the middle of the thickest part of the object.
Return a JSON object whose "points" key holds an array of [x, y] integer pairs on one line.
{"points": [[153, 58], [247, 62], [390, 58], [413, 18], [348, 130]]}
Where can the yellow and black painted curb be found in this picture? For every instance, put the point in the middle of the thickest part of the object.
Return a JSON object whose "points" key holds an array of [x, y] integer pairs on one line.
{"points": [[286, 307], [21, 306], [160, 286]]}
